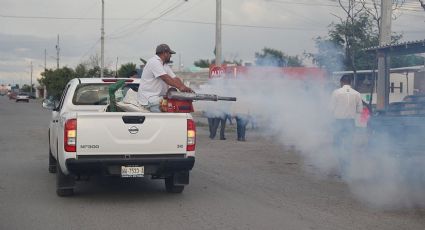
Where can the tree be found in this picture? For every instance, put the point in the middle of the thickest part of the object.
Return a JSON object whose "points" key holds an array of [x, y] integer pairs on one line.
{"points": [[352, 30], [126, 69], [203, 63], [94, 72], [273, 57], [235, 62], [81, 70], [343, 48], [92, 66], [56, 80], [27, 88]]}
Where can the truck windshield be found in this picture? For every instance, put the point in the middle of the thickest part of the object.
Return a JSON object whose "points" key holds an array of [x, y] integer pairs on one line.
{"points": [[97, 94]]}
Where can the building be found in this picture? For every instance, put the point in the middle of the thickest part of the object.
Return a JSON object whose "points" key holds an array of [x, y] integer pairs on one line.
{"points": [[403, 82]]}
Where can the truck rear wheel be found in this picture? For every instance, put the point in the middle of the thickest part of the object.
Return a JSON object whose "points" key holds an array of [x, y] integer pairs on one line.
{"points": [[52, 163], [171, 186], [64, 183]]}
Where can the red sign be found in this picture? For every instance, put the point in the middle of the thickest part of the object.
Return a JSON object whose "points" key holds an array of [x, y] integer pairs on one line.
{"points": [[217, 71]]}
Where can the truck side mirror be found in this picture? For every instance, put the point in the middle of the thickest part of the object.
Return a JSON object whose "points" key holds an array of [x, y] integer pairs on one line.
{"points": [[50, 104]]}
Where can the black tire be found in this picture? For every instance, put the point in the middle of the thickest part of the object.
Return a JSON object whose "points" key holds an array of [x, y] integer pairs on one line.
{"points": [[52, 163], [65, 192], [52, 160], [171, 187], [64, 183]]}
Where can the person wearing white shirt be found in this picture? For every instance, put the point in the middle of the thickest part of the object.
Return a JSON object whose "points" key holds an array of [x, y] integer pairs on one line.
{"points": [[346, 106], [241, 111], [156, 78]]}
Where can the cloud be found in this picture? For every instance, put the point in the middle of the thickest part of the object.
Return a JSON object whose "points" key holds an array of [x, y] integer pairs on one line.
{"points": [[21, 50], [254, 10], [22, 38]]}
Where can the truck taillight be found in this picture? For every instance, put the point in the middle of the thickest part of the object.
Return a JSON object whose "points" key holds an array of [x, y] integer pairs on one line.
{"points": [[191, 135], [70, 135]]}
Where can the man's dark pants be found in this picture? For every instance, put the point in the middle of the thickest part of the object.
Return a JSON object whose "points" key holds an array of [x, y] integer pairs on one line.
{"points": [[241, 123], [213, 124]]}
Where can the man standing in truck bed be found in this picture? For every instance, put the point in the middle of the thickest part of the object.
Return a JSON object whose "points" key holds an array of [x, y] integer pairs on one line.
{"points": [[156, 78]]}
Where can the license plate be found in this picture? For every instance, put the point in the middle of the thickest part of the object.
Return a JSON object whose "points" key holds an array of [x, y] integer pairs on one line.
{"points": [[132, 171]]}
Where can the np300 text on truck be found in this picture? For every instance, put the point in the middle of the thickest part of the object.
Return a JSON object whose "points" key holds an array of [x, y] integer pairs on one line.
{"points": [[86, 139]]}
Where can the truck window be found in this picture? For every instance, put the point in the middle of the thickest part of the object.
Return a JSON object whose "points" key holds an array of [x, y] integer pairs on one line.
{"points": [[63, 97], [96, 94]]}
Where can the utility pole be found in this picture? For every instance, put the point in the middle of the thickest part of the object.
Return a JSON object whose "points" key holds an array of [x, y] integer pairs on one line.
{"points": [[45, 69], [57, 54], [218, 34], [116, 68], [31, 81], [45, 58], [383, 58], [102, 40]]}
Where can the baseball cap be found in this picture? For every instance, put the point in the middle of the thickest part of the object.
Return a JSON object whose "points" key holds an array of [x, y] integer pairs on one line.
{"points": [[164, 48]]}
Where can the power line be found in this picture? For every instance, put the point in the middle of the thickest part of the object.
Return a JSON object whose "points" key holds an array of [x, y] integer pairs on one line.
{"points": [[146, 13], [302, 17], [47, 17], [302, 3], [199, 22], [89, 50], [239, 25], [189, 6], [88, 9], [169, 20], [115, 18], [144, 25]]}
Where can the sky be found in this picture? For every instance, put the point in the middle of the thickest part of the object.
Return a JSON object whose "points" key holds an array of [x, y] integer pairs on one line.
{"points": [[133, 28]]}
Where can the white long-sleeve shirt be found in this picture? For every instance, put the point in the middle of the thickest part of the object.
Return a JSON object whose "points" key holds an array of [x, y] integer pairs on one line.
{"points": [[346, 103]]}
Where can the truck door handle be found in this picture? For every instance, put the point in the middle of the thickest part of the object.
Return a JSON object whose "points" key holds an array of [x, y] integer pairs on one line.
{"points": [[133, 119]]}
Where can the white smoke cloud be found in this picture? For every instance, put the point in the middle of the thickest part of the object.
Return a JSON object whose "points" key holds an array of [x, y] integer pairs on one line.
{"points": [[296, 113]]}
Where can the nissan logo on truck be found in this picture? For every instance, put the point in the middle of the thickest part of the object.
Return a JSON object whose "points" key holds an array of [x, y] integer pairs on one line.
{"points": [[133, 130]]}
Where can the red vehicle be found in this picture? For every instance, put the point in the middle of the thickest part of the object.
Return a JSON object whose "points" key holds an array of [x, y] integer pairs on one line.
{"points": [[13, 95]]}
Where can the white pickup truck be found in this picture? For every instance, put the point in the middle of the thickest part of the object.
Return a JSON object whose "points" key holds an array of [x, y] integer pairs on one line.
{"points": [[85, 139]]}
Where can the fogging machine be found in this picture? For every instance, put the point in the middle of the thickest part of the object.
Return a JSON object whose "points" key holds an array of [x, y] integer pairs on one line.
{"points": [[181, 102]]}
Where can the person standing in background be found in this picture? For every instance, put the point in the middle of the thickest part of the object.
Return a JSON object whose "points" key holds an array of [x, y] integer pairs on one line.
{"points": [[240, 110], [346, 106], [241, 123], [219, 120], [216, 117]]}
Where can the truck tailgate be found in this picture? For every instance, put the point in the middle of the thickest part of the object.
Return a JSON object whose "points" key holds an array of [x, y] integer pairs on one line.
{"points": [[131, 133]]}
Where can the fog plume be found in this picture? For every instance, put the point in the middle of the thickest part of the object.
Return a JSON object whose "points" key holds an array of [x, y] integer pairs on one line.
{"points": [[296, 112]]}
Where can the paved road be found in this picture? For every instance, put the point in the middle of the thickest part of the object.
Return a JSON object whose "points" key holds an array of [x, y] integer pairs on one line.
{"points": [[251, 185]]}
